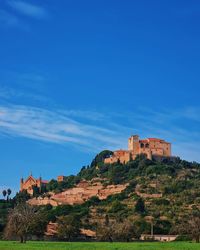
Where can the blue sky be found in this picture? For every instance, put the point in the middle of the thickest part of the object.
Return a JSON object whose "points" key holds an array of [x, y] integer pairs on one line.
{"points": [[77, 77]]}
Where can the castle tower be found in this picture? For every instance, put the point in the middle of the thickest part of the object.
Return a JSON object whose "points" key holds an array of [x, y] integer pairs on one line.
{"points": [[133, 144]]}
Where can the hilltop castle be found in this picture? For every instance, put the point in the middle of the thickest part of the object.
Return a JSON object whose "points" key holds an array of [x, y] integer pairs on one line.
{"points": [[150, 147]]}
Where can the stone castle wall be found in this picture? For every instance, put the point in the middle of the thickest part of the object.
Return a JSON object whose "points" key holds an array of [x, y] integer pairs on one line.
{"points": [[149, 147]]}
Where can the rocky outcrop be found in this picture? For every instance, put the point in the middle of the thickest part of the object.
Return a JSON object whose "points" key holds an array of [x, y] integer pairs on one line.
{"points": [[79, 194], [43, 201], [52, 229]]}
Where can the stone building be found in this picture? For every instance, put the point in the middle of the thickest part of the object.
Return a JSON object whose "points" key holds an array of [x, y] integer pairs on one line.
{"points": [[158, 237], [60, 178], [150, 147], [32, 182]]}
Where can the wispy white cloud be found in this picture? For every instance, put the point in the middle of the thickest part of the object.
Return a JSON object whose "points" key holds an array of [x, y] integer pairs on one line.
{"points": [[12, 15], [192, 113], [91, 115], [9, 20], [94, 131], [26, 86], [28, 9], [179, 126], [53, 126]]}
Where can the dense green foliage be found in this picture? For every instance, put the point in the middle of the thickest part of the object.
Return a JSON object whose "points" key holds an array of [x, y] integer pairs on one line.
{"points": [[121, 173], [68, 227], [69, 181], [176, 184], [158, 192], [140, 206], [4, 207]]}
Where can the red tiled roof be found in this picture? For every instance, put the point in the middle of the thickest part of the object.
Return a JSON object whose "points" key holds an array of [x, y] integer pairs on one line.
{"points": [[143, 140], [155, 139], [45, 182]]}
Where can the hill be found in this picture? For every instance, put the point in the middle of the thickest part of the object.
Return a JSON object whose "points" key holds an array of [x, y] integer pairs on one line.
{"points": [[140, 190], [143, 192]]}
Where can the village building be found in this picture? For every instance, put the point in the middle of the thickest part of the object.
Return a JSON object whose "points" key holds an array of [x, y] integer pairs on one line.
{"points": [[60, 178], [158, 237], [151, 147]]}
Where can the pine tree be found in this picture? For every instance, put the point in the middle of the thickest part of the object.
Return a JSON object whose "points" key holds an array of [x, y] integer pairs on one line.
{"points": [[140, 206]]}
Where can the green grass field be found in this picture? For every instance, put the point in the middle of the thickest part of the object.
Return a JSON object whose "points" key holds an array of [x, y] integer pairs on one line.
{"points": [[5, 245]]}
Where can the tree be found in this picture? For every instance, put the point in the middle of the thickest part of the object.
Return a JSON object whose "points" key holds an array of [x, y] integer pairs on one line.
{"points": [[39, 224], [9, 192], [22, 197], [190, 226], [115, 231], [36, 191], [105, 232], [99, 158], [20, 221], [124, 231], [52, 185], [142, 226], [162, 227], [140, 206], [116, 207], [4, 192], [68, 227]]}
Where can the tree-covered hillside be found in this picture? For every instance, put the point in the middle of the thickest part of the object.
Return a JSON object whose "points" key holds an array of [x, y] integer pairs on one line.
{"points": [[159, 193], [162, 192]]}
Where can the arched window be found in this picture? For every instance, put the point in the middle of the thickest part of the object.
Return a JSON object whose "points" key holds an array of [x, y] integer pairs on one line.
{"points": [[147, 145], [142, 145]]}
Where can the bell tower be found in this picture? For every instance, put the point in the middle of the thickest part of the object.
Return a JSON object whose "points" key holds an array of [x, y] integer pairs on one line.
{"points": [[133, 144]]}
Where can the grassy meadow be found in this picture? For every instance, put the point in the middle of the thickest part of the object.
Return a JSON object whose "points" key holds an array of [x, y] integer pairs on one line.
{"points": [[9, 245]]}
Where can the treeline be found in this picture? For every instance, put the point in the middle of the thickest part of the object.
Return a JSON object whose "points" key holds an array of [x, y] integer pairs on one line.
{"points": [[26, 222]]}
